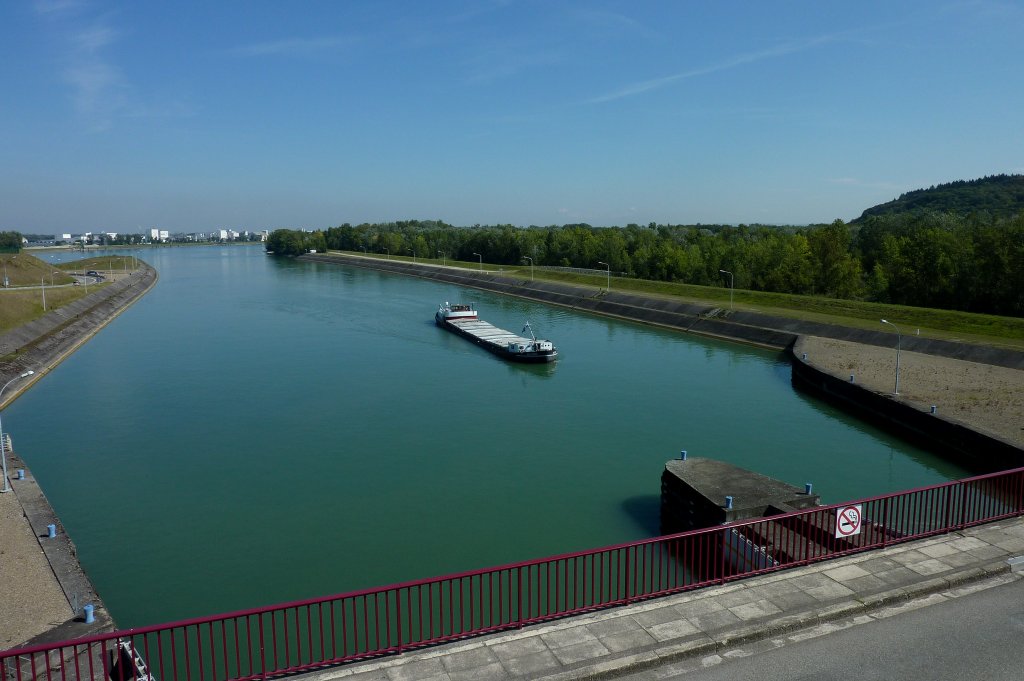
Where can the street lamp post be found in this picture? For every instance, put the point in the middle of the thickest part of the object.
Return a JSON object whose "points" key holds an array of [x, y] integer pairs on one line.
{"points": [[481, 268], [42, 287], [7, 282], [526, 257], [3, 444], [899, 340], [608, 274], [730, 285]]}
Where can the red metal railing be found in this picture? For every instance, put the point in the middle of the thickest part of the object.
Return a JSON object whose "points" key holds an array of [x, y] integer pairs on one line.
{"points": [[281, 639]]}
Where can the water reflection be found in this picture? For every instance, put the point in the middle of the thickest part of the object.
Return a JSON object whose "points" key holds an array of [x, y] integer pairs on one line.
{"points": [[525, 371]]}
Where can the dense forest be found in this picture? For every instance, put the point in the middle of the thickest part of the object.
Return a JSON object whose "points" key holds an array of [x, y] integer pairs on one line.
{"points": [[998, 195], [973, 263]]}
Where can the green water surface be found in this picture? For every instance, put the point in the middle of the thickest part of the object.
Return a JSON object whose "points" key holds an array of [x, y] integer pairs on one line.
{"points": [[256, 430]]}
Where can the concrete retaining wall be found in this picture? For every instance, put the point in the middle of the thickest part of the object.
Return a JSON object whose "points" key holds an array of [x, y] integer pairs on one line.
{"points": [[44, 342], [664, 312], [746, 327], [982, 452]]}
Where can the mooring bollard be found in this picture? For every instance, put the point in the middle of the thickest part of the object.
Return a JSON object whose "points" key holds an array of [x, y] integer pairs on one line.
{"points": [[21, 474], [808, 487], [805, 356], [51, 531], [934, 408], [728, 503], [682, 455], [89, 617], [851, 378]]}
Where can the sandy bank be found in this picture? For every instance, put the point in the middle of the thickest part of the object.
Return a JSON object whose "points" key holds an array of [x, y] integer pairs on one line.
{"points": [[985, 397]]}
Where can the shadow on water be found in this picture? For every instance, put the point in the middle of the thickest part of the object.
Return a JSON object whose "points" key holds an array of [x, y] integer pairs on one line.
{"points": [[645, 511], [949, 463], [546, 370]]}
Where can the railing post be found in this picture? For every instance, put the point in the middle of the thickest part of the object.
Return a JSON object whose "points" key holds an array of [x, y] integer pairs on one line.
{"points": [[519, 571], [885, 522], [963, 504], [949, 510], [626, 583], [263, 650], [721, 551], [398, 615]]}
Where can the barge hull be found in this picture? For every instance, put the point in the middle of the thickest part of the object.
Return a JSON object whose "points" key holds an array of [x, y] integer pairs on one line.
{"points": [[495, 340]]}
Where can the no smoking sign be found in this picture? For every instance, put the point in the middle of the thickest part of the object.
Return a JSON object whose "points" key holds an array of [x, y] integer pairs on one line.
{"points": [[848, 521]]}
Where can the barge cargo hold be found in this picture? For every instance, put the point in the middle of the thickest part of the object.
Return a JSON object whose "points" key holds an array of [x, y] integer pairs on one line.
{"points": [[462, 319]]}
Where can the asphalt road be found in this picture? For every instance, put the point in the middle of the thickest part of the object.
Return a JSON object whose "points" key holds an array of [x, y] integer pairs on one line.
{"points": [[975, 636]]}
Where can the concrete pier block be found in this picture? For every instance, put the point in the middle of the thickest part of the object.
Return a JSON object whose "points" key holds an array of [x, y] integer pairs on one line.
{"points": [[692, 491]]}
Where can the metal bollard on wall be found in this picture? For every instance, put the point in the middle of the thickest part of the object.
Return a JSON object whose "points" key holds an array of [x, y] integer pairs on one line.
{"points": [[934, 408], [89, 616], [682, 455], [808, 487], [728, 503], [51, 531], [21, 474]]}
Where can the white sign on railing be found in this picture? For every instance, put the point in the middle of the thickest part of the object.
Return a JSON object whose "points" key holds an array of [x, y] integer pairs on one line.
{"points": [[848, 521]]}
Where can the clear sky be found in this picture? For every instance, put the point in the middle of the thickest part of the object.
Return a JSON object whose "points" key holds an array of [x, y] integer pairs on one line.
{"points": [[189, 116]]}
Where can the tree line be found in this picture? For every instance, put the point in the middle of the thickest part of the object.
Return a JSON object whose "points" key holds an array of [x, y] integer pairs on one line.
{"points": [[10, 242], [973, 263]]}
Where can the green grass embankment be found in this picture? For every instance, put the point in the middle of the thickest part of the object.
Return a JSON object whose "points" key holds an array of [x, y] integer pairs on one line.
{"points": [[30, 279], [985, 329]]}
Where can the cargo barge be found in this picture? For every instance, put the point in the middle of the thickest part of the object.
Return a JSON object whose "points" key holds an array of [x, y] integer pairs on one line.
{"points": [[462, 319]]}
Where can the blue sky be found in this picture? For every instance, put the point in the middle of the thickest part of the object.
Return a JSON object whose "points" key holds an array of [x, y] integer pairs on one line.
{"points": [[189, 116]]}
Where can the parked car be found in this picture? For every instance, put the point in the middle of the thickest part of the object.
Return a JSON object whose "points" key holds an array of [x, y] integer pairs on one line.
{"points": [[92, 273]]}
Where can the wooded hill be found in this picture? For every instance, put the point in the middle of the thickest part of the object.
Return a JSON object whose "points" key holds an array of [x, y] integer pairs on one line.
{"points": [[997, 195]]}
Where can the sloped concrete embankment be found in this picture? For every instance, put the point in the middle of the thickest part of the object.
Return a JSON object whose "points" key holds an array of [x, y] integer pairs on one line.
{"points": [[42, 344], [745, 327]]}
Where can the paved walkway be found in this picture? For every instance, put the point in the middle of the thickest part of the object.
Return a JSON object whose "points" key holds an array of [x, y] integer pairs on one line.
{"points": [[32, 600], [703, 623]]}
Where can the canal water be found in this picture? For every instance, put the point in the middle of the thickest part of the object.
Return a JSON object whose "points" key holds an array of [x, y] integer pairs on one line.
{"points": [[257, 430]]}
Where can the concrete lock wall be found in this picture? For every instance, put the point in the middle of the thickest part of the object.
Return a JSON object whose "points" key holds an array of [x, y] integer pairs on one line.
{"points": [[937, 432]]}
